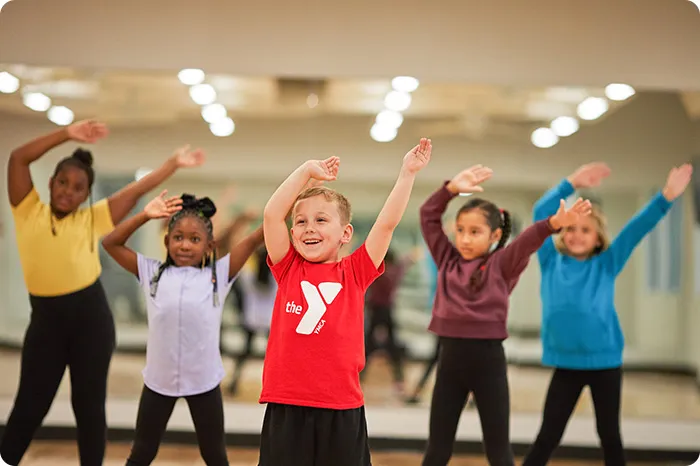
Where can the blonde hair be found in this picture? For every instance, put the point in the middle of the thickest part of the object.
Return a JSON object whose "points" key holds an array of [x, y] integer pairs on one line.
{"points": [[330, 195], [601, 228]]}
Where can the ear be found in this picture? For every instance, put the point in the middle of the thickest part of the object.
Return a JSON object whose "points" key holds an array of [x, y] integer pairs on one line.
{"points": [[496, 235], [165, 240], [347, 234], [50, 183], [211, 245]]}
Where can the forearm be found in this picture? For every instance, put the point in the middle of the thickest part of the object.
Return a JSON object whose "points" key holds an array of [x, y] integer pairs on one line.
{"points": [[515, 257], [243, 250], [123, 231], [282, 201], [33, 150]]}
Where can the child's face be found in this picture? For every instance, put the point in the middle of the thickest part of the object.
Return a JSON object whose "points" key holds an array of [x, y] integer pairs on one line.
{"points": [[188, 242], [581, 238], [317, 230], [69, 188], [473, 235]]}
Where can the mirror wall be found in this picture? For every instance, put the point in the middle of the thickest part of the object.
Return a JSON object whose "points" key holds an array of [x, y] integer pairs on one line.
{"points": [[256, 130]]}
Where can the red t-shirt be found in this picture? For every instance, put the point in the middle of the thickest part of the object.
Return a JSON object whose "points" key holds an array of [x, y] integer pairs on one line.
{"points": [[316, 347]]}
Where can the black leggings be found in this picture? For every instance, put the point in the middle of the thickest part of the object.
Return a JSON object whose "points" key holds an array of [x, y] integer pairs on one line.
{"points": [[562, 396], [74, 330], [207, 410], [382, 316], [470, 366]]}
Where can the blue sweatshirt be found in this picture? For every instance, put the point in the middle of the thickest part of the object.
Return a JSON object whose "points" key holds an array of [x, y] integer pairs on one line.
{"points": [[580, 327]]}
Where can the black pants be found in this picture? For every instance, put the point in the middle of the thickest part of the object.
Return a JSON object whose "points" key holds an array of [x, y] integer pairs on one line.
{"points": [[74, 330], [207, 410], [302, 436], [382, 317], [562, 396], [470, 366]]}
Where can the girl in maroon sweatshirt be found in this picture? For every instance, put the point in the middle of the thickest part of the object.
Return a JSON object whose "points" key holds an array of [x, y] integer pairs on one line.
{"points": [[476, 276]]}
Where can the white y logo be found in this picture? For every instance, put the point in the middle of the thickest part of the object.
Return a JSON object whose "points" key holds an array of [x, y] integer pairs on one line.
{"points": [[315, 298]]}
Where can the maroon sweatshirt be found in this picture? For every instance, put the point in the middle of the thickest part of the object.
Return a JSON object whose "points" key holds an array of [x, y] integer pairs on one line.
{"points": [[459, 312]]}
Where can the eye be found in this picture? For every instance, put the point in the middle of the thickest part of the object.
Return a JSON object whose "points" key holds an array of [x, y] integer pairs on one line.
{"points": [[299, 222], [195, 239], [321, 219], [178, 237]]}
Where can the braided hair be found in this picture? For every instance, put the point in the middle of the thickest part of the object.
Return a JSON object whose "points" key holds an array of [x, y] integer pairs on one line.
{"points": [[82, 160], [495, 218], [202, 209]]}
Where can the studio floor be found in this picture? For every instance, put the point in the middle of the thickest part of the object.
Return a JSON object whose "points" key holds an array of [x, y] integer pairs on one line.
{"points": [[648, 396], [64, 454]]}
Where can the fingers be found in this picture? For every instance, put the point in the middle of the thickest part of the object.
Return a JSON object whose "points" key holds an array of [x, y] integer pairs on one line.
{"points": [[163, 194]]}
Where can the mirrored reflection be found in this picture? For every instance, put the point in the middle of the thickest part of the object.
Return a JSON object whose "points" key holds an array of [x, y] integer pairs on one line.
{"points": [[256, 130]]}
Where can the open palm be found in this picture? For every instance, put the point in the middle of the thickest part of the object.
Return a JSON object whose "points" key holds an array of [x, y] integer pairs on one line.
{"points": [[590, 175], [187, 158], [162, 207], [417, 158], [468, 181], [567, 217], [89, 131], [324, 170], [678, 179]]}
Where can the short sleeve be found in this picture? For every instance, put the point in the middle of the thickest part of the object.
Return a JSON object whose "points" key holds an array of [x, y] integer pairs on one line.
{"points": [[222, 268], [363, 268], [280, 269], [147, 269], [102, 216], [27, 206]]}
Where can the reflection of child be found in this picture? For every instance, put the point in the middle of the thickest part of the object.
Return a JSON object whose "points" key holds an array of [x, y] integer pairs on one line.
{"points": [[315, 413], [184, 299]]}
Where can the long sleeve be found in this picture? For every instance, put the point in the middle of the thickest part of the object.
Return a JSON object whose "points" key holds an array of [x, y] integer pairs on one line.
{"points": [[635, 230], [431, 225], [514, 258], [544, 208]]}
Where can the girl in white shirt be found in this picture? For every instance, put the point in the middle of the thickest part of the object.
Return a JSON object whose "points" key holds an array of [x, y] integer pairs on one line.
{"points": [[184, 300]]}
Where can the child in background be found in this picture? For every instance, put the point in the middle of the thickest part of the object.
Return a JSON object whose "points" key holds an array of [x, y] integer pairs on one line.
{"points": [[476, 276], [315, 407], [581, 334], [184, 299]]}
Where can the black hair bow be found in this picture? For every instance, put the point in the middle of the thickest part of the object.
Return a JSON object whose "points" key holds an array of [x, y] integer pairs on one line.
{"points": [[204, 205]]}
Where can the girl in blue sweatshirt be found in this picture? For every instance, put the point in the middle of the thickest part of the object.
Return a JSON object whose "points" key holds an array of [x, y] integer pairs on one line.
{"points": [[581, 334]]}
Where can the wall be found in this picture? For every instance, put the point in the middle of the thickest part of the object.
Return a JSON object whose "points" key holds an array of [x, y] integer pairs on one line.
{"points": [[261, 153]]}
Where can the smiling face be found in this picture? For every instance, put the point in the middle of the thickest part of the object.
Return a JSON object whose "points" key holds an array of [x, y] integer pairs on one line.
{"points": [[189, 241], [69, 188], [585, 238], [320, 226]]}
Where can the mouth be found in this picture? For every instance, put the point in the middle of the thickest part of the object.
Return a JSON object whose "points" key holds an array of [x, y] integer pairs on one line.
{"points": [[183, 257], [311, 242]]}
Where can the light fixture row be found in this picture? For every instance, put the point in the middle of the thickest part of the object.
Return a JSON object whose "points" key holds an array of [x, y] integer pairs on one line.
{"points": [[204, 94], [388, 121], [589, 109], [57, 114]]}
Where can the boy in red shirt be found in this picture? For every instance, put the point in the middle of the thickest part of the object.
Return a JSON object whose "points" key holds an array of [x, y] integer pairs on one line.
{"points": [[315, 408]]}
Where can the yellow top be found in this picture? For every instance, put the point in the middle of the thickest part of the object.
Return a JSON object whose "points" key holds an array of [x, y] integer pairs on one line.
{"points": [[60, 264]]}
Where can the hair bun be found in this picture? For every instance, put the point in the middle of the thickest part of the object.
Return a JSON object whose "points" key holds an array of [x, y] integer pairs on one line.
{"points": [[84, 156], [204, 205]]}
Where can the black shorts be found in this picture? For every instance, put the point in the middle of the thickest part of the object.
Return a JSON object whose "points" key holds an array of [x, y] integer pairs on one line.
{"points": [[303, 436]]}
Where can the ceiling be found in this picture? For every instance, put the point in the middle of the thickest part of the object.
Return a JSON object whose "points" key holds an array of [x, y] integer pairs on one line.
{"points": [[132, 98]]}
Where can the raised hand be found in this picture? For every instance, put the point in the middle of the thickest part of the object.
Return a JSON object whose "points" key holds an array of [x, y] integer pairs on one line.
{"points": [[567, 217], [186, 158], [589, 175], [468, 181], [417, 158], [323, 170], [678, 179], [89, 131], [162, 207]]}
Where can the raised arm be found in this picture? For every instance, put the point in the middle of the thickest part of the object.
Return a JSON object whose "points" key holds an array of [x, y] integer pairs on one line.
{"points": [[586, 176], [121, 202], [19, 180], [242, 251], [432, 210], [281, 203], [646, 219], [115, 242], [226, 236], [514, 258]]}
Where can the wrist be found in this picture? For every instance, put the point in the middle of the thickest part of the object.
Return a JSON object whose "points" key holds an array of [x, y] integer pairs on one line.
{"points": [[405, 173], [666, 193], [554, 223], [572, 182], [450, 186]]}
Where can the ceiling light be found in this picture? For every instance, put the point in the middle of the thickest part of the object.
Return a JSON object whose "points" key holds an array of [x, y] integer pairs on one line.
{"points": [[694, 2], [397, 101], [202, 94], [213, 113], [8, 82], [383, 133], [222, 128], [564, 126], [619, 92], [191, 76], [36, 101], [592, 108], [312, 100], [3, 3], [141, 172], [404, 83], [389, 118], [62, 116], [544, 138]]}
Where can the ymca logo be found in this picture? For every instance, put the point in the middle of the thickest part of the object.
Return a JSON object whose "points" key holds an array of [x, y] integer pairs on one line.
{"points": [[318, 299]]}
